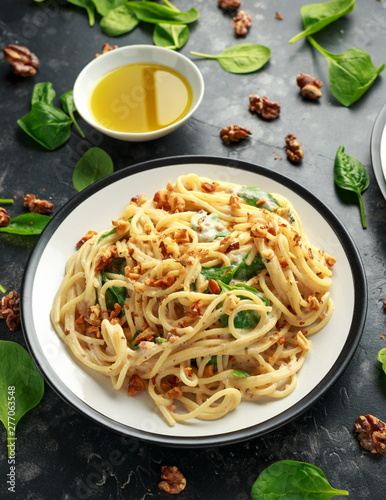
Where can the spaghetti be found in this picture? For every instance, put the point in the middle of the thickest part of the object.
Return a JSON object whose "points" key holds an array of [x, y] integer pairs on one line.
{"points": [[205, 295]]}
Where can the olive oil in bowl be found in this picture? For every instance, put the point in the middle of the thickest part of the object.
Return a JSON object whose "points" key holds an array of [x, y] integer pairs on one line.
{"points": [[141, 97]]}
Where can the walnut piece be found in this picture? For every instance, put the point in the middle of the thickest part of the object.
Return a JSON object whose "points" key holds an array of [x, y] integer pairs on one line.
{"points": [[263, 106], [10, 310], [22, 60], [234, 133], [37, 206], [5, 219], [214, 287], [106, 258], [136, 384], [371, 433], [310, 86], [278, 16], [241, 23], [90, 233], [229, 4], [173, 480], [294, 150], [106, 48]]}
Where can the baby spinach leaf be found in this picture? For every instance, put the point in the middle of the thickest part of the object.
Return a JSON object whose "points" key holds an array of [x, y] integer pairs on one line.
{"points": [[135, 346], [351, 73], [119, 21], [245, 272], [381, 357], [68, 105], [241, 58], [351, 175], [170, 36], [151, 12], [245, 320], [27, 224], [240, 373], [224, 274], [107, 233], [43, 92], [89, 6], [48, 126], [115, 294], [254, 196], [21, 385], [92, 166], [295, 480], [103, 7], [318, 15]]}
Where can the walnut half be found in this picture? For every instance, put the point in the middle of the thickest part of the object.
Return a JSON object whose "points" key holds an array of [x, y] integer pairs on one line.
{"points": [[234, 133], [173, 480], [22, 60], [371, 433]]}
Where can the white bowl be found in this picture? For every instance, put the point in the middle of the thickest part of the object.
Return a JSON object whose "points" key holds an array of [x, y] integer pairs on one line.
{"points": [[133, 54]]}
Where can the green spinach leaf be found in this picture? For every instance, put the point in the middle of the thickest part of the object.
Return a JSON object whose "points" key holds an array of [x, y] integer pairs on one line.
{"points": [[92, 166], [103, 7], [240, 373], [170, 36], [115, 294], [245, 320], [241, 58], [119, 21], [245, 272], [351, 175], [381, 357], [254, 196], [48, 126], [43, 92], [351, 73], [68, 105], [107, 233], [21, 386], [135, 346], [151, 12], [295, 480], [89, 6], [318, 15], [27, 224]]}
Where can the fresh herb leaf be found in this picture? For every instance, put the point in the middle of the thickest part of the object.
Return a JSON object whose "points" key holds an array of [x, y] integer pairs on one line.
{"points": [[213, 361], [2, 289], [68, 105], [92, 166], [151, 12], [295, 480], [159, 340], [351, 175], [245, 272], [107, 233], [43, 92], [241, 58], [134, 346], [103, 7], [89, 6], [6, 201], [381, 357], [223, 274], [240, 373], [119, 21], [318, 15], [239, 271], [48, 126], [245, 320], [351, 73], [255, 197], [21, 385], [115, 294], [27, 224], [170, 36]]}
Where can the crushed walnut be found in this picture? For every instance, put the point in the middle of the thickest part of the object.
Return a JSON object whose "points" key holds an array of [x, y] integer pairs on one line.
{"points": [[241, 23], [10, 310], [136, 384], [5, 219], [106, 258], [22, 60], [229, 4], [37, 206], [278, 16], [294, 150], [310, 86], [106, 47], [214, 287], [371, 433], [234, 133], [263, 106], [173, 480], [86, 237]]}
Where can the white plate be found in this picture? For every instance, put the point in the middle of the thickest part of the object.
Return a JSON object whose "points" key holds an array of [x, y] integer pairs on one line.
{"points": [[93, 395]]}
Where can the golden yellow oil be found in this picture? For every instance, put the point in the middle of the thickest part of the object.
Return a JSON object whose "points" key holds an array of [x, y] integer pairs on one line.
{"points": [[140, 98]]}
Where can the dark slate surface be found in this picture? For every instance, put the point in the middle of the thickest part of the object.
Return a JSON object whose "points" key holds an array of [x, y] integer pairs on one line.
{"points": [[60, 453]]}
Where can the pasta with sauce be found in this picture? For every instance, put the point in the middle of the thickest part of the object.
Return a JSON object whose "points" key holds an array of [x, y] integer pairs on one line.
{"points": [[205, 295]]}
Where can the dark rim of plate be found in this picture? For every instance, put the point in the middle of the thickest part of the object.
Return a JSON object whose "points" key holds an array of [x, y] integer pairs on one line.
{"points": [[359, 315], [375, 149]]}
